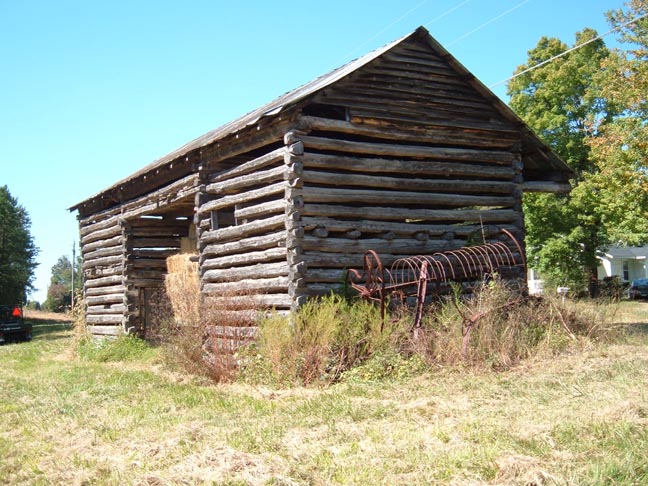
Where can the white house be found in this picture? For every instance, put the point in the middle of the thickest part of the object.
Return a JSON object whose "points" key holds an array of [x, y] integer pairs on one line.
{"points": [[628, 263]]}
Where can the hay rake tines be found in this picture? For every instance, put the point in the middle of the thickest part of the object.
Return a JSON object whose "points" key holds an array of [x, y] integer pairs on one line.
{"points": [[410, 276]]}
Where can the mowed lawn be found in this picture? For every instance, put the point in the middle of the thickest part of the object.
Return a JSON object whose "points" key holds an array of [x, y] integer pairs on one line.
{"points": [[577, 418]]}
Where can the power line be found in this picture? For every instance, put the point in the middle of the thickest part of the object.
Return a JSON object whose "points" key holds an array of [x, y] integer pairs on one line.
{"points": [[487, 23], [386, 28], [547, 61], [447, 12]]}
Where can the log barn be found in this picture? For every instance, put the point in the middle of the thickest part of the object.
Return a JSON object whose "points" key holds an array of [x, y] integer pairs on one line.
{"points": [[402, 151]]}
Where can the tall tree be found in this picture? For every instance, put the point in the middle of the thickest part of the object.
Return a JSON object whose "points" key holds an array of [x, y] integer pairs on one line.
{"points": [[559, 100], [59, 292], [17, 250]]}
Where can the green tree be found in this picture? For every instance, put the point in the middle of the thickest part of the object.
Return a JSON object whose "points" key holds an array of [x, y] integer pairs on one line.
{"points": [[562, 103], [17, 250], [59, 292]]}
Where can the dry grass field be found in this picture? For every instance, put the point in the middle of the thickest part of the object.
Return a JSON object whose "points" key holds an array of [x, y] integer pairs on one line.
{"points": [[580, 417]]}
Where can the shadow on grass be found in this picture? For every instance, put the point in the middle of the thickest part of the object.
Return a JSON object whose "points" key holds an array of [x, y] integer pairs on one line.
{"points": [[637, 328], [50, 328]]}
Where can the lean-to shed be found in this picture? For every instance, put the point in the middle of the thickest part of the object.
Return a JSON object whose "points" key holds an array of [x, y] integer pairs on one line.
{"points": [[401, 151]]}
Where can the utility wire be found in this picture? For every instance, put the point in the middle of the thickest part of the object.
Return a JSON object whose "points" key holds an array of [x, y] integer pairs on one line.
{"points": [[387, 28], [636, 19], [447, 12], [487, 23]]}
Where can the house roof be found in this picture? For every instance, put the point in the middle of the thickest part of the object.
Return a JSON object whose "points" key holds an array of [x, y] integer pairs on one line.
{"points": [[625, 253], [535, 152]]}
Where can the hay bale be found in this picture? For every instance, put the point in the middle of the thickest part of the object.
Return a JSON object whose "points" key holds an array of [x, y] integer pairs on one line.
{"points": [[182, 284]]}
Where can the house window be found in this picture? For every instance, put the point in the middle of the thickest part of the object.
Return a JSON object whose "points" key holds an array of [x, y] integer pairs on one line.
{"points": [[626, 271]]}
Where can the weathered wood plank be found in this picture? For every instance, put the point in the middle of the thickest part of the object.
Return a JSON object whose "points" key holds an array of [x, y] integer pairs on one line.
{"points": [[113, 330], [255, 243], [415, 151], [455, 186], [265, 256], [346, 196], [105, 319], [103, 281], [398, 214], [101, 234], [225, 201], [102, 261], [235, 184], [259, 270], [397, 245], [105, 243], [251, 166], [104, 299], [251, 301], [372, 226], [415, 134], [243, 231], [140, 243], [275, 284], [258, 210], [112, 289], [420, 168]]}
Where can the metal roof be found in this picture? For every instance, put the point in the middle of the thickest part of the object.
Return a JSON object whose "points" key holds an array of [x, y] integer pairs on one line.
{"points": [[531, 142]]}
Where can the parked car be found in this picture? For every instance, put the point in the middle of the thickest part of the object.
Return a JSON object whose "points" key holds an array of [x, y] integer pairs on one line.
{"points": [[12, 324], [638, 289]]}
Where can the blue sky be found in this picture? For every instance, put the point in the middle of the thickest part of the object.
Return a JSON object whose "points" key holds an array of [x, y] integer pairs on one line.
{"points": [[90, 92]]}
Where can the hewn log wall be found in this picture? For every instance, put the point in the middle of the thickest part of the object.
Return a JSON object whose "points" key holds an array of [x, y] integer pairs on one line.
{"points": [[241, 220], [402, 158], [106, 246]]}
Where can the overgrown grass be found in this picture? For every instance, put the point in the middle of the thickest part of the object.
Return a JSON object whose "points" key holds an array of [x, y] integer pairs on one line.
{"points": [[336, 338], [574, 418]]}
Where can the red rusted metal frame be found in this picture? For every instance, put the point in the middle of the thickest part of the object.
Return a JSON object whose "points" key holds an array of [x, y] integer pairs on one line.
{"points": [[419, 271]]}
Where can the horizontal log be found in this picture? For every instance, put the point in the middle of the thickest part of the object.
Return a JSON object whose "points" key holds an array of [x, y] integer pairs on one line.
{"points": [[98, 272], [225, 201], [244, 245], [104, 299], [259, 210], [235, 184], [251, 166], [399, 214], [102, 224], [455, 186], [104, 252], [546, 186], [251, 301], [331, 275], [321, 289], [105, 310], [419, 168], [102, 262], [105, 319], [423, 135], [105, 243], [414, 151], [112, 289], [402, 246], [260, 270], [103, 330], [264, 256], [354, 196], [102, 281], [371, 226], [102, 234], [275, 284], [243, 230]]}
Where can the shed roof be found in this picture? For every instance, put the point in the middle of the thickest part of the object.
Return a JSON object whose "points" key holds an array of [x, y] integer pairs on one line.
{"points": [[535, 152]]}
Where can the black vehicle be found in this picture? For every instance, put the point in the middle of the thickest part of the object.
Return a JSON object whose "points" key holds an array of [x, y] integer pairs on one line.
{"points": [[638, 289], [13, 325]]}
